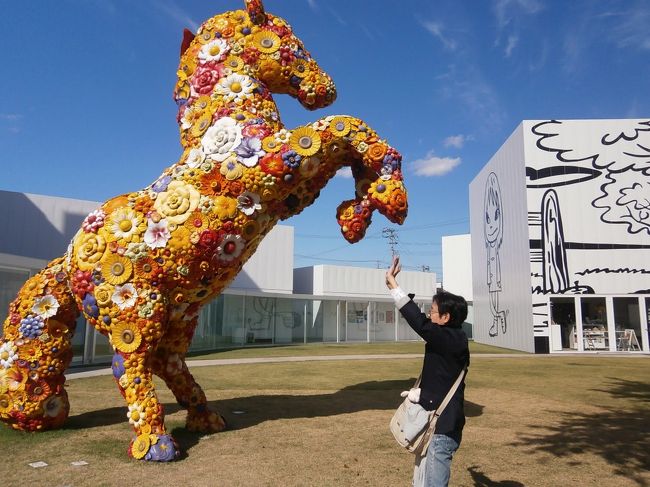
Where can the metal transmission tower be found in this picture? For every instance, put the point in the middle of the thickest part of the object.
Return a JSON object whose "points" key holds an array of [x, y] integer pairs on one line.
{"points": [[391, 235]]}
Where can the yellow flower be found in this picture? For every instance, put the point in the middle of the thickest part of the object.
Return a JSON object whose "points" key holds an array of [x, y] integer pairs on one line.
{"points": [[201, 124], [305, 141], [125, 337], [103, 294], [180, 238], [266, 41], [116, 269], [231, 169], [6, 404], [339, 126], [234, 63], [300, 67], [178, 202], [140, 446], [225, 207], [89, 248], [271, 144]]}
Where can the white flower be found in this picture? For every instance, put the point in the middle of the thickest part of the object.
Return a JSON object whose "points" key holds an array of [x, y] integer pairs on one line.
{"points": [[230, 248], [283, 136], [157, 234], [45, 306], [248, 203], [235, 87], [136, 415], [125, 223], [8, 354], [215, 50], [186, 119], [125, 296], [195, 158], [220, 139]]}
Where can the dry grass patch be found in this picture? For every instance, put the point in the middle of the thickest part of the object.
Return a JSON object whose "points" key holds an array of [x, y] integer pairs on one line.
{"points": [[532, 421]]}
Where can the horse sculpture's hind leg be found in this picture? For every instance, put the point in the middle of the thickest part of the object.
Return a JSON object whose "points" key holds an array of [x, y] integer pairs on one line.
{"points": [[169, 364], [36, 350]]}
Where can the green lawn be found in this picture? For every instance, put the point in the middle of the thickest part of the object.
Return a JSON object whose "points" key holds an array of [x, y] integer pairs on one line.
{"points": [[531, 421]]}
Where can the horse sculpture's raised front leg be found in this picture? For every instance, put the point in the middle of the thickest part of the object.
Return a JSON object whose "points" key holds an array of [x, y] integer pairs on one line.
{"points": [[376, 168]]}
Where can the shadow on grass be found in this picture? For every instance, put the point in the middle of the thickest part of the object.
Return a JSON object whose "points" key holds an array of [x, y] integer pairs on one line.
{"points": [[382, 395], [627, 389], [619, 437], [482, 480]]}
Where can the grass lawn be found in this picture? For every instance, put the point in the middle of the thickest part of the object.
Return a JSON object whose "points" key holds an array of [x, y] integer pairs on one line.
{"points": [[532, 421]]}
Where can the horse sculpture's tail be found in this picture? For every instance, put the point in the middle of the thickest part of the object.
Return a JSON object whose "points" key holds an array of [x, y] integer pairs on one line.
{"points": [[35, 351]]}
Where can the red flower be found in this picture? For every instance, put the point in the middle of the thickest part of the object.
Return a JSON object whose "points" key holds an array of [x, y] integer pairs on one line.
{"points": [[204, 79]]}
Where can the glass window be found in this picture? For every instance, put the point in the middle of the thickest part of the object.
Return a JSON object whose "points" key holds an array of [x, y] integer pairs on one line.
{"points": [[259, 319], [233, 319], [290, 320], [79, 340], [627, 323], [325, 311], [404, 331], [382, 327], [594, 324], [209, 331], [315, 322], [357, 321], [103, 348], [563, 324]]}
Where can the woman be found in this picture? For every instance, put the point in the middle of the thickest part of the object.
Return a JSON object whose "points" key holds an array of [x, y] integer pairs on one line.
{"points": [[446, 354]]}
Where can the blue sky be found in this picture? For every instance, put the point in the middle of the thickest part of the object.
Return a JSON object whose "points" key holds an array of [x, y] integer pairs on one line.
{"points": [[87, 112]]}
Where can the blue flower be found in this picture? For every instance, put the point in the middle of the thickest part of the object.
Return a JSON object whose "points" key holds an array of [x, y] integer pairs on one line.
{"points": [[249, 151], [291, 159], [164, 450], [118, 366], [90, 306], [31, 326], [161, 184]]}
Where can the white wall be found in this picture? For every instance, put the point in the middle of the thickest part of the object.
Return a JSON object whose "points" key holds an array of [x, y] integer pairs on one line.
{"points": [[500, 280], [270, 268], [457, 265], [367, 283], [594, 177]]}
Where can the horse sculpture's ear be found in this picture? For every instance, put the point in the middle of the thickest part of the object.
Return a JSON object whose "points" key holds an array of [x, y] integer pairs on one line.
{"points": [[188, 37], [255, 11]]}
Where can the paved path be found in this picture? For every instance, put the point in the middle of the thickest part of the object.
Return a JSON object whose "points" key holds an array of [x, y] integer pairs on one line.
{"points": [[72, 374]]}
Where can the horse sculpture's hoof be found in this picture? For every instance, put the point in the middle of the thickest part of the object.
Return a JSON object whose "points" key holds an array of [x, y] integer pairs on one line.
{"points": [[154, 448], [205, 422]]}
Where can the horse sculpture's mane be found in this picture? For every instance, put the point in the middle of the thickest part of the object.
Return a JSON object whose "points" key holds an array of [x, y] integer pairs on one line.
{"points": [[143, 264]]}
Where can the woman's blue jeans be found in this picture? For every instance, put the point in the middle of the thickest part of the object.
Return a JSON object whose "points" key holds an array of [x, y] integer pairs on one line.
{"points": [[438, 462]]}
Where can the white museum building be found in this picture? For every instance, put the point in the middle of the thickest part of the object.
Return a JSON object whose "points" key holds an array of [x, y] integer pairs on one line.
{"points": [[560, 238], [269, 302]]}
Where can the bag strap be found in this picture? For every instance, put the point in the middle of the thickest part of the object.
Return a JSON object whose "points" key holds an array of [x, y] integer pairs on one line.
{"points": [[450, 394]]}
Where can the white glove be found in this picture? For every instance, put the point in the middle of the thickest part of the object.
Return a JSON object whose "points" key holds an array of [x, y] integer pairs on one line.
{"points": [[413, 395]]}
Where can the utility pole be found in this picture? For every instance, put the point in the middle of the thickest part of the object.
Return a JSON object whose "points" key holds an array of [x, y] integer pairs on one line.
{"points": [[391, 235]]}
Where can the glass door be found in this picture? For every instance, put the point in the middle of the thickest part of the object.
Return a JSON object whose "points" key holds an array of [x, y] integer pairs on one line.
{"points": [[627, 324]]}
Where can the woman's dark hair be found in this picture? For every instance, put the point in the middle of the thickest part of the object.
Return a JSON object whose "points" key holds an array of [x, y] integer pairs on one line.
{"points": [[453, 304]]}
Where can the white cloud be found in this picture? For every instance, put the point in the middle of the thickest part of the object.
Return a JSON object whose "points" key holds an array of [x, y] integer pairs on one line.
{"points": [[457, 141], [176, 13], [512, 43], [436, 28], [312, 5], [434, 166], [344, 172], [505, 10], [11, 117]]}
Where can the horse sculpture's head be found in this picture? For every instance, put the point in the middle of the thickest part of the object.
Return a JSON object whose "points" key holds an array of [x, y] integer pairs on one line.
{"points": [[258, 46], [377, 171]]}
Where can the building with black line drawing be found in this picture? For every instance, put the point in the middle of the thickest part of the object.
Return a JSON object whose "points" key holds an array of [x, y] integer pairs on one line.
{"points": [[560, 238]]}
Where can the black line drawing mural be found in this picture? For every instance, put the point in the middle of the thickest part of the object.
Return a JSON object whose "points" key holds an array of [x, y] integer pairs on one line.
{"points": [[610, 159], [493, 232]]}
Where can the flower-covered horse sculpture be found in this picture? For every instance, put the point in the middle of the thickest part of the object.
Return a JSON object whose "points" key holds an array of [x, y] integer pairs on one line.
{"points": [[143, 264]]}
